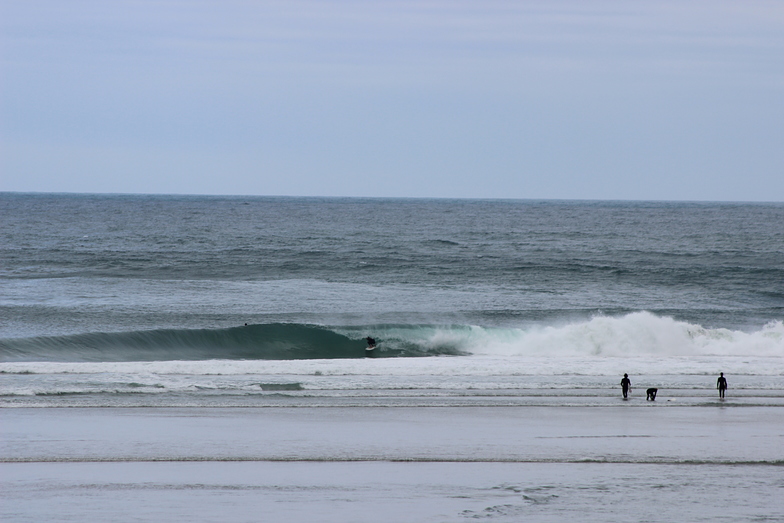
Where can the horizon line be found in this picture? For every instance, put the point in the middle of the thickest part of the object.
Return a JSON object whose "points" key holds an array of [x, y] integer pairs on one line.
{"points": [[445, 198]]}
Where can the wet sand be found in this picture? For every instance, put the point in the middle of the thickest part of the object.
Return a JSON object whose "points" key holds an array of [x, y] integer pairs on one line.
{"points": [[392, 464]]}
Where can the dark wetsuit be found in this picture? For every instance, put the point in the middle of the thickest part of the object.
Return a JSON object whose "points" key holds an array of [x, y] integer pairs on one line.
{"points": [[721, 384], [625, 385], [371, 343]]}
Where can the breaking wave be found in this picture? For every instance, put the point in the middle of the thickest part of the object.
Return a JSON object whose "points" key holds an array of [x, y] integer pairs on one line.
{"points": [[636, 334]]}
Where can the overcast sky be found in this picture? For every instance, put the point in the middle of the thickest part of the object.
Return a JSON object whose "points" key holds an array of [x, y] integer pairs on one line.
{"points": [[643, 100]]}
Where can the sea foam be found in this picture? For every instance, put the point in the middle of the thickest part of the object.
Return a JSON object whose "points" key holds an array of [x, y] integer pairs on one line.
{"points": [[636, 334]]}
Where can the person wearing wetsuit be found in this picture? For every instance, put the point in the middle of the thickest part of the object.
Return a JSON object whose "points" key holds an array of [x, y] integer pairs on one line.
{"points": [[626, 385], [371, 343], [721, 384]]}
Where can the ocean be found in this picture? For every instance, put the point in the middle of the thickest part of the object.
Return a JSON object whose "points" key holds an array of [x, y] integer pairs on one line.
{"points": [[232, 330]]}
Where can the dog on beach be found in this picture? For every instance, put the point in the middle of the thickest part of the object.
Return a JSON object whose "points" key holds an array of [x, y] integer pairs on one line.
{"points": [[651, 394]]}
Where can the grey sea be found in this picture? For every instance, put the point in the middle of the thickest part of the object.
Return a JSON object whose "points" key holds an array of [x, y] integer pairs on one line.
{"points": [[193, 358]]}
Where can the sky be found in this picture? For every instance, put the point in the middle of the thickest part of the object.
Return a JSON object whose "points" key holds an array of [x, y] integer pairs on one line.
{"points": [[564, 99]]}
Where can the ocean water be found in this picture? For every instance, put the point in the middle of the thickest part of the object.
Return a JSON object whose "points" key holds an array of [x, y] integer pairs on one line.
{"points": [[192, 330], [121, 279]]}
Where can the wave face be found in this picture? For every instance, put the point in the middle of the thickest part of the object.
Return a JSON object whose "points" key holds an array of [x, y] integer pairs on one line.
{"points": [[638, 334], [274, 342], [278, 341]]}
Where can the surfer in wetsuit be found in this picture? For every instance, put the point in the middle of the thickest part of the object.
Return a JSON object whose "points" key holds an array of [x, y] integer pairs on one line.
{"points": [[369, 352], [721, 384], [626, 385]]}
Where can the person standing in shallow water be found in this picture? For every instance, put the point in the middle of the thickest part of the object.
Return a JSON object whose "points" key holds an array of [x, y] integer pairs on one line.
{"points": [[721, 384], [626, 385]]}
